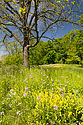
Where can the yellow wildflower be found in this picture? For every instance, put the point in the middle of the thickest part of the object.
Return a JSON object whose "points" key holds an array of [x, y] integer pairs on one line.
{"points": [[58, 1], [70, 113]]}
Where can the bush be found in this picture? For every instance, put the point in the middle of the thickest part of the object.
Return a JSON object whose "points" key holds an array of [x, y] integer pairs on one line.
{"points": [[81, 63], [73, 60], [50, 57], [13, 59], [0, 63]]}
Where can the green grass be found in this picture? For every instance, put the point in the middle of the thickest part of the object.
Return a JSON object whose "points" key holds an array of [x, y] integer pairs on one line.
{"points": [[46, 95]]}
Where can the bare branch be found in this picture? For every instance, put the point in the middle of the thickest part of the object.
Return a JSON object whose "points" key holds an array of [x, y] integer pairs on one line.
{"points": [[28, 4], [15, 11], [12, 34], [59, 20], [36, 22], [12, 25], [47, 37], [47, 28], [70, 21], [4, 38], [5, 32], [31, 19]]}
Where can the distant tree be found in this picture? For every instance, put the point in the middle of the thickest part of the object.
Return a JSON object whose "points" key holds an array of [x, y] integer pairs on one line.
{"points": [[37, 53], [73, 42], [79, 43], [13, 59], [31, 19], [11, 47], [60, 49]]}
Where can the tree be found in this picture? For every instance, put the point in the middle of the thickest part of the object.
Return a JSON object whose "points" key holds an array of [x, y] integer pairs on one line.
{"points": [[79, 43], [31, 19], [73, 44], [60, 49], [11, 47]]}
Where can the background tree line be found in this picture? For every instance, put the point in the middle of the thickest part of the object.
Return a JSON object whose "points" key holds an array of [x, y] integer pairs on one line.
{"points": [[68, 49]]}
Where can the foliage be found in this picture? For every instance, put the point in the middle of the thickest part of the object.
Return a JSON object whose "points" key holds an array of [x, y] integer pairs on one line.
{"points": [[13, 59], [61, 50], [44, 95], [0, 63], [67, 49], [37, 53], [11, 47], [81, 63], [50, 57], [75, 46]]}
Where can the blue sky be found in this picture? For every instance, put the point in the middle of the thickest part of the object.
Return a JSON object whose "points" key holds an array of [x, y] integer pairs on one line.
{"points": [[60, 33]]}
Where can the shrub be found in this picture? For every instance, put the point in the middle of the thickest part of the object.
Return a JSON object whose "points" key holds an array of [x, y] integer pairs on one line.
{"points": [[50, 57], [14, 59], [81, 63], [73, 60]]}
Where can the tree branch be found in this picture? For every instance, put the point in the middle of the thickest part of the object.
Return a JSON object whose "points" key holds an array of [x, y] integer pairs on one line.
{"points": [[70, 21], [59, 20], [12, 34], [48, 28], [36, 21], [15, 11]]}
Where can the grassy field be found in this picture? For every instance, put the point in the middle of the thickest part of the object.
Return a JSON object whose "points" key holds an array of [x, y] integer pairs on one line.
{"points": [[43, 95]]}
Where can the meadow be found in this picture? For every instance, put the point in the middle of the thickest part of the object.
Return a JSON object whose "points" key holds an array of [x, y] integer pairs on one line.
{"points": [[43, 95]]}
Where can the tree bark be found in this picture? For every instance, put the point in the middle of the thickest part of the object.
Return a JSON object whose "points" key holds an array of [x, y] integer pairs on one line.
{"points": [[26, 56], [26, 47]]}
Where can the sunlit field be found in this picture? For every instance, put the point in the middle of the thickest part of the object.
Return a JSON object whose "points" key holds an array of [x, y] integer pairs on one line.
{"points": [[43, 95]]}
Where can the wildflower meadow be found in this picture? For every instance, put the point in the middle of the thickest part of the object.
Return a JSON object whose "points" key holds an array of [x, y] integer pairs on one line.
{"points": [[43, 95]]}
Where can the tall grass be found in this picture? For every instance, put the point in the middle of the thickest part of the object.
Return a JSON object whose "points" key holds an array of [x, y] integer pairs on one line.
{"points": [[42, 95]]}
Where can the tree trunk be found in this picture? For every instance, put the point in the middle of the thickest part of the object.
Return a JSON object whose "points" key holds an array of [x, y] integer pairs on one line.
{"points": [[26, 56]]}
